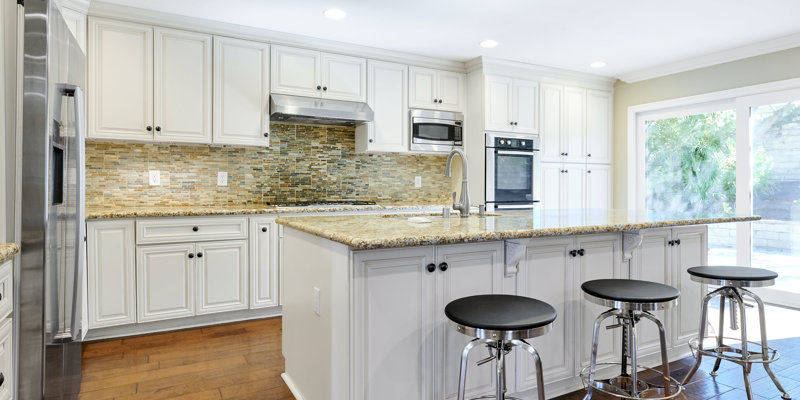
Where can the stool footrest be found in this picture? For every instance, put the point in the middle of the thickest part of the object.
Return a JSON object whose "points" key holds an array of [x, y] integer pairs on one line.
{"points": [[724, 352], [491, 396], [619, 386]]}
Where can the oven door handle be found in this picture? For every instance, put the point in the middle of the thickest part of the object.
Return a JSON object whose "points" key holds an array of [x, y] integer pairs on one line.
{"points": [[515, 153]]}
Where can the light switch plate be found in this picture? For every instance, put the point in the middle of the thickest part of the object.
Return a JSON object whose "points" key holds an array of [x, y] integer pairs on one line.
{"points": [[155, 178], [222, 178], [316, 301], [417, 181]]}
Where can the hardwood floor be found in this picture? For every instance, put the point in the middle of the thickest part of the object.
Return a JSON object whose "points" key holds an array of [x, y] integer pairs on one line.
{"points": [[244, 361]]}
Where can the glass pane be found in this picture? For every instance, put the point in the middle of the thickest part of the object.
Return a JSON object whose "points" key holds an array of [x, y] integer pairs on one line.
{"points": [[775, 130], [691, 168], [513, 177]]}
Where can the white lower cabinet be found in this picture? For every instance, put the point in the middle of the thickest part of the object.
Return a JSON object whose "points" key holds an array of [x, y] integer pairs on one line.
{"points": [[551, 272], [664, 256], [222, 276], [111, 267], [406, 347], [6, 359], [165, 281], [264, 277]]}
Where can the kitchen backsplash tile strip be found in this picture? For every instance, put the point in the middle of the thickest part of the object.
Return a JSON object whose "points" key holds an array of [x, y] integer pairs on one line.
{"points": [[302, 163]]}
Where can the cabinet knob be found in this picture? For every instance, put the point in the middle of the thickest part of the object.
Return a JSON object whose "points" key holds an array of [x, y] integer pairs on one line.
{"points": [[2, 378], [581, 252], [324, 88], [443, 266], [195, 228], [671, 243], [588, 155], [573, 253], [678, 242], [440, 101], [149, 128], [566, 154], [319, 87], [264, 229], [191, 255], [431, 267], [266, 134], [200, 255], [589, 171], [158, 129], [370, 140]]}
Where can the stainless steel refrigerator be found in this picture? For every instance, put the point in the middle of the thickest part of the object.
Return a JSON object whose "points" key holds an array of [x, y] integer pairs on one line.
{"points": [[50, 275]]}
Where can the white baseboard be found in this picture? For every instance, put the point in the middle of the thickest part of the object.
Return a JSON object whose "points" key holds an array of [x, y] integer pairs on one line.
{"points": [[292, 387]]}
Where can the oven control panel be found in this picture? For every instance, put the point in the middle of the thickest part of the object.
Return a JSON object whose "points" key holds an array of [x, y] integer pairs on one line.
{"points": [[513, 143]]}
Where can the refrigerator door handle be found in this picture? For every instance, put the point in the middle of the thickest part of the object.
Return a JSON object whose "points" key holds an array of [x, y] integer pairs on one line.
{"points": [[80, 225]]}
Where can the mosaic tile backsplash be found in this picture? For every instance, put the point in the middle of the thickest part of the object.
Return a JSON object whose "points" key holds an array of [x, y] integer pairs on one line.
{"points": [[302, 163]]}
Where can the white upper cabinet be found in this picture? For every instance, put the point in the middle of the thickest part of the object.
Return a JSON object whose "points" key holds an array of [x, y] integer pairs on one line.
{"points": [[296, 71], [599, 106], [241, 92], [344, 77], [551, 96], [572, 139], [182, 95], [387, 95], [310, 73], [120, 87], [511, 105], [436, 90]]}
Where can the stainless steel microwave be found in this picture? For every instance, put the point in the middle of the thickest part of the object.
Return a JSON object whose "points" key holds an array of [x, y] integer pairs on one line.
{"points": [[436, 131]]}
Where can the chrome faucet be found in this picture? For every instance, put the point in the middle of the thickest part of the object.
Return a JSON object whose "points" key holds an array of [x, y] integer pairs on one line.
{"points": [[462, 207]]}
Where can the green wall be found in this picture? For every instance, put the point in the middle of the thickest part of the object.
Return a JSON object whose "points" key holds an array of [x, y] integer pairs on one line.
{"points": [[746, 72]]}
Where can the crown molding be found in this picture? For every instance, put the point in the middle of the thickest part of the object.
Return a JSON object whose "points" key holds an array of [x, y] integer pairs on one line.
{"points": [[721, 57], [516, 69], [81, 6], [138, 15]]}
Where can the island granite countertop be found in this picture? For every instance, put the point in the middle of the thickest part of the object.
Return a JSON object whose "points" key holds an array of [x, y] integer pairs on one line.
{"points": [[365, 232], [7, 251]]}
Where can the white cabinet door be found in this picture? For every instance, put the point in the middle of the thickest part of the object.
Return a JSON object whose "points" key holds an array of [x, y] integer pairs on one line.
{"points": [[551, 120], [598, 187], [464, 270], [182, 95], [546, 273], [422, 88], [551, 193], [111, 273], [599, 141], [387, 95], [573, 182], [690, 250], [165, 281], [344, 77], [296, 71], [652, 261], [498, 104], [263, 263], [601, 259], [120, 87], [525, 110], [574, 124], [222, 276], [393, 298], [241, 92], [451, 90], [7, 358]]}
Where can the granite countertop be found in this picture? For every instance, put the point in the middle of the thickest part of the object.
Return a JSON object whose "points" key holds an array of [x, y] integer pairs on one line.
{"points": [[375, 231], [7, 251], [101, 212]]}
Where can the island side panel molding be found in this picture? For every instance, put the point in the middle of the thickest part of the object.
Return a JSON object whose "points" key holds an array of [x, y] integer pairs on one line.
{"points": [[316, 347]]}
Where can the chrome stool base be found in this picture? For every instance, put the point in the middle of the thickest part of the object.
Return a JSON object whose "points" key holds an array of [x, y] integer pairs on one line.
{"points": [[499, 348], [621, 386], [735, 296]]}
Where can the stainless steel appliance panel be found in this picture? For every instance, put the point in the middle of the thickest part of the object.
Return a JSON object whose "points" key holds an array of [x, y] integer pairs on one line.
{"points": [[435, 131], [511, 170]]}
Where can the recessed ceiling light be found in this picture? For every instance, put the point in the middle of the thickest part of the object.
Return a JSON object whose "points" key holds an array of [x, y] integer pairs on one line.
{"points": [[597, 64], [335, 13], [489, 44]]}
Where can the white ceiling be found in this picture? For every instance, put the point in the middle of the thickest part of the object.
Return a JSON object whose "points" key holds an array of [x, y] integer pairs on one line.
{"points": [[629, 35]]}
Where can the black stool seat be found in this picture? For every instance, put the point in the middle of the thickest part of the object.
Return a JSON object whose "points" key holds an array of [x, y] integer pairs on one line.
{"points": [[630, 291], [500, 312], [733, 273]]}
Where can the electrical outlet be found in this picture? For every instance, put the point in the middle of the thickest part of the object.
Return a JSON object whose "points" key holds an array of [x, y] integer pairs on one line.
{"points": [[155, 178], [316, 301], [222, 178], [417, 181]]}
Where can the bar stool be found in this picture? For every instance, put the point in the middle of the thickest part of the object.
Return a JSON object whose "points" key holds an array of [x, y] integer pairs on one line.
{"points": [[733, 281], [630, 300], [501, 322]]}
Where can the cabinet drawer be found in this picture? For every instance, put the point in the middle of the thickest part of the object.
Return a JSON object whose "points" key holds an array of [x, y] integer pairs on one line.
{"points": [[189, 230], [6, 290], [6, 359]]}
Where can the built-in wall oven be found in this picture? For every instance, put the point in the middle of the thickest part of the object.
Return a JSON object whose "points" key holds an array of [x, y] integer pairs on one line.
{"points": [[512, 169], [435, 131]]}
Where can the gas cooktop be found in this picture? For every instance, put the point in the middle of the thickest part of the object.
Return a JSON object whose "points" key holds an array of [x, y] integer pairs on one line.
{"points": [[326, 203]]}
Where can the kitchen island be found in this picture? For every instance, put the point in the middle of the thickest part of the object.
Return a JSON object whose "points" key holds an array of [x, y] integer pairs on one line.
{"points": [[364, 295]]}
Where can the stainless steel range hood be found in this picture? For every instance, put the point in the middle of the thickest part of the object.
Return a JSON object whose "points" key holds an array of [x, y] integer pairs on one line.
{"points": [[309, 110]]}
